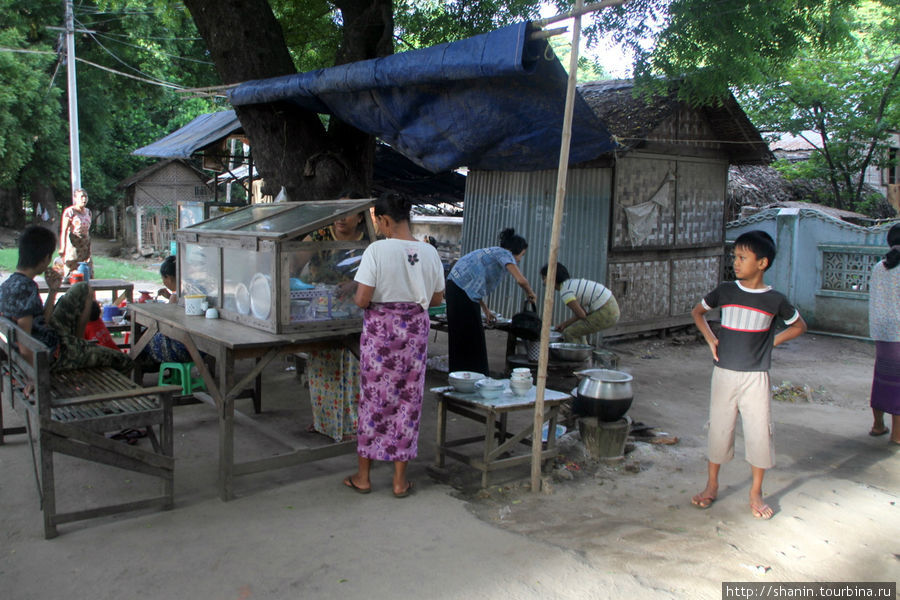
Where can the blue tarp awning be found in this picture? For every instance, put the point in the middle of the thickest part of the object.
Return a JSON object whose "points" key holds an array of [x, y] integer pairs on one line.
{"points": [[494, 101], [199, 133]]}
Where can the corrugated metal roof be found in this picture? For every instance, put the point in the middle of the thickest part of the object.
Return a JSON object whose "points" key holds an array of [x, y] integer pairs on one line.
{"points": [[199, 133], [805, 141], [497, 200]]}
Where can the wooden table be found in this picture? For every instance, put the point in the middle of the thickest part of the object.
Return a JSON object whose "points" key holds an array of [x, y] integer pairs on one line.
{"points": [[496, 440], [226, 342], [116, 286]]}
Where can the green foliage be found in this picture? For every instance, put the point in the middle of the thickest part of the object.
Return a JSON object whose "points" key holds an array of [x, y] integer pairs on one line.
{"points": [[712, 47], [27, 100], [422, 23], [849, 95], [588, 69], [148, 39]]}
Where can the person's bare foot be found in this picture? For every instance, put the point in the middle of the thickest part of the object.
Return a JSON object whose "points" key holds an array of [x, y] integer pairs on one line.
{"points": [[362, 488], [760, 509], [705, 498]]}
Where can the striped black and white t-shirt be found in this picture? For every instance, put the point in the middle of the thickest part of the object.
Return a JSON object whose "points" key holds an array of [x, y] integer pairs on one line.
{"points": [[590, 294], [748, 324]]}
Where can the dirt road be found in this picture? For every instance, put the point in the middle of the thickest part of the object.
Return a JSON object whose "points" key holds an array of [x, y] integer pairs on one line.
{"points": [[599, 531]]}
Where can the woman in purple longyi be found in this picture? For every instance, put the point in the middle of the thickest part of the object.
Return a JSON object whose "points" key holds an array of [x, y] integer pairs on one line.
{"points": [[399, 278]]}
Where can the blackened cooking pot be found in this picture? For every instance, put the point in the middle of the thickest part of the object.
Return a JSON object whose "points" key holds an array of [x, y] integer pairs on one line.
{"points": [[602, 393]]}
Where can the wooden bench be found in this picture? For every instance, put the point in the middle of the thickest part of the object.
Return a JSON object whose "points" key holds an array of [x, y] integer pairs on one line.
{"points": [[69, 412]]}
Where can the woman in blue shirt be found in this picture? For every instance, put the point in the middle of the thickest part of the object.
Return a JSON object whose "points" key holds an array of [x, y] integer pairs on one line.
{"points": [[471, 280]]}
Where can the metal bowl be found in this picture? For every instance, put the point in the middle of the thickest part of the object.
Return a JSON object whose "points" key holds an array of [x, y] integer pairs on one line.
{"points": [[571, 352]]}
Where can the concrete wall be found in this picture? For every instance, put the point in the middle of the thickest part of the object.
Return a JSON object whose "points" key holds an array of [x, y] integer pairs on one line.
{"points": [[822, 265]]}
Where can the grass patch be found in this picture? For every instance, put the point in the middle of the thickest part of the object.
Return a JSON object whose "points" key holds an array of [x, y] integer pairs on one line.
{"points": [[104, 267]]}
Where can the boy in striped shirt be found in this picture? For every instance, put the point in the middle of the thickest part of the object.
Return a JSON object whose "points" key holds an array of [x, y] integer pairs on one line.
{"points": [[593, 305], [742, 355]]}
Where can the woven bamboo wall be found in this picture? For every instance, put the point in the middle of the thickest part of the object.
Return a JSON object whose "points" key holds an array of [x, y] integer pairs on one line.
{"points": [[700, 203], [636, 180], [163, 188], [693, 278], [641, 288], [696, 200], [657, 290]]}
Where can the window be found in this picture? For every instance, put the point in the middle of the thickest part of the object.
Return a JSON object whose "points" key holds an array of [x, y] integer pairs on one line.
{"points": [[892, 171], [848, 270]]}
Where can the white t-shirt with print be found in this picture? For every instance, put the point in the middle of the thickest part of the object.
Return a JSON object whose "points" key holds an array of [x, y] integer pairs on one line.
{"points": [[401, 271]]}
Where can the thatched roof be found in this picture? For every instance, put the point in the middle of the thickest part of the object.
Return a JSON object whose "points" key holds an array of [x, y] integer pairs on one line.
{"points": [[635, 121], [759, 187]]}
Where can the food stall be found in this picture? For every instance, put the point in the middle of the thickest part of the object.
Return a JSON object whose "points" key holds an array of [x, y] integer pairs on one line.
{"points": [[276, 293], [257, 266]]}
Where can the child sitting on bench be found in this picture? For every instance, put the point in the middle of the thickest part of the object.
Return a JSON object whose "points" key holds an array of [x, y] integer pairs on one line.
{"points": [[61, 328]]}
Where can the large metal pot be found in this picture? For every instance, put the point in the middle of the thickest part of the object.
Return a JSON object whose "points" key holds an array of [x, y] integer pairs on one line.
{"points": [[602, 393]]}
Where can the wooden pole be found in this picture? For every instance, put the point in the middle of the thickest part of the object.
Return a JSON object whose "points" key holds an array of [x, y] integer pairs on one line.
{"points": [[580, 9], [549, 287]]}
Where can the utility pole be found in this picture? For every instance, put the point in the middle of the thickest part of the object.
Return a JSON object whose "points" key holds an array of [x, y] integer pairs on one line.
{"points": [[74, 151]]}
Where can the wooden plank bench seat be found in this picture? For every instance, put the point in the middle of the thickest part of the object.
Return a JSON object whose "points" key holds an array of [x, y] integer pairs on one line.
{"points": [[69, 412]]}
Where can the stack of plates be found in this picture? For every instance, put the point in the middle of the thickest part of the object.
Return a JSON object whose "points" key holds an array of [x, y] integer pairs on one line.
{"points": [[261, 296]]}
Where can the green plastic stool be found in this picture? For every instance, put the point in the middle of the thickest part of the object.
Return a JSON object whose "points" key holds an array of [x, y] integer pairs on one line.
{"points": [[173, 373]]}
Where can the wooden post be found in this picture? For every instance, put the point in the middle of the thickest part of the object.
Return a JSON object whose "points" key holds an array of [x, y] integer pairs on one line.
{"points": [[549, 288]]}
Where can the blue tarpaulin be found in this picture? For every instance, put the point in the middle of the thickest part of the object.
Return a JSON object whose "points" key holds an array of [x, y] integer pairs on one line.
{"points": [[199, 133], [494, 101]]}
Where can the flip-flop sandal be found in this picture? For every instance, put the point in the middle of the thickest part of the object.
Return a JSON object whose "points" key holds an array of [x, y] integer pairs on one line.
{"points": [[759, 511], [875, 433], [702, 503], [406, 492], [348, 481]]}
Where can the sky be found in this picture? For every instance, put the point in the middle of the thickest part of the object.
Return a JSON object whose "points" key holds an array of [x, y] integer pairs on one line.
{"points": [[611, 56]]}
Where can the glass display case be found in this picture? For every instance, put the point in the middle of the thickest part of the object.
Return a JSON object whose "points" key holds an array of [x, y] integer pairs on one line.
{"points": [[191, 212], [279, 267]]}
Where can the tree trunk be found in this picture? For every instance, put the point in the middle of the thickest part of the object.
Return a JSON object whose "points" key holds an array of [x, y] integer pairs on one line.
{"points": [[291, 147], [43, 195], [12, 213]]}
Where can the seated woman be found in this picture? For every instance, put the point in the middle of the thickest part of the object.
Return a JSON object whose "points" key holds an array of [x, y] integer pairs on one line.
{"points": [[161, 348], [592, 303], [334, 373], [59, 327]]}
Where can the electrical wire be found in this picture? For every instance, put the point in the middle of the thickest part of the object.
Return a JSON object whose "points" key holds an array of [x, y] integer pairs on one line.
{"points": [[160, 52], [122, 62], [158, 82]]}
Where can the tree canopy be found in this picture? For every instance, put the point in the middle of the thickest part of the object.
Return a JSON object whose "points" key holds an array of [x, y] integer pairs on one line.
{"points": [[709, 47], [118, 111], [845, 100]]}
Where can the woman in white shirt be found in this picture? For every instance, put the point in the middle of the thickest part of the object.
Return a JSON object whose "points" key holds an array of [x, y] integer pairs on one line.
{"points": [[884, 328], [592, 303], [399, 278]]}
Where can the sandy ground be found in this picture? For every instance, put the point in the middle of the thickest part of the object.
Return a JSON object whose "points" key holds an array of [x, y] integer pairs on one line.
{"points": [[598, 531]]}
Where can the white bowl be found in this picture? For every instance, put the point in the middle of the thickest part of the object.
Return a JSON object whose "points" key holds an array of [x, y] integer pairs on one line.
{"points": [[242, 299], [464, 381], [261, 296], [489, 388], [520, 387]]}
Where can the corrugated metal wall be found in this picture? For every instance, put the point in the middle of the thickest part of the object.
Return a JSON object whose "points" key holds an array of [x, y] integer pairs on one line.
{"points": [[525, 201]]}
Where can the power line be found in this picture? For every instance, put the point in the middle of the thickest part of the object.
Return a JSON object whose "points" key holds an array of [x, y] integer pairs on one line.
{"points": [[158, 82], [186, 58], [108, 51]]}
